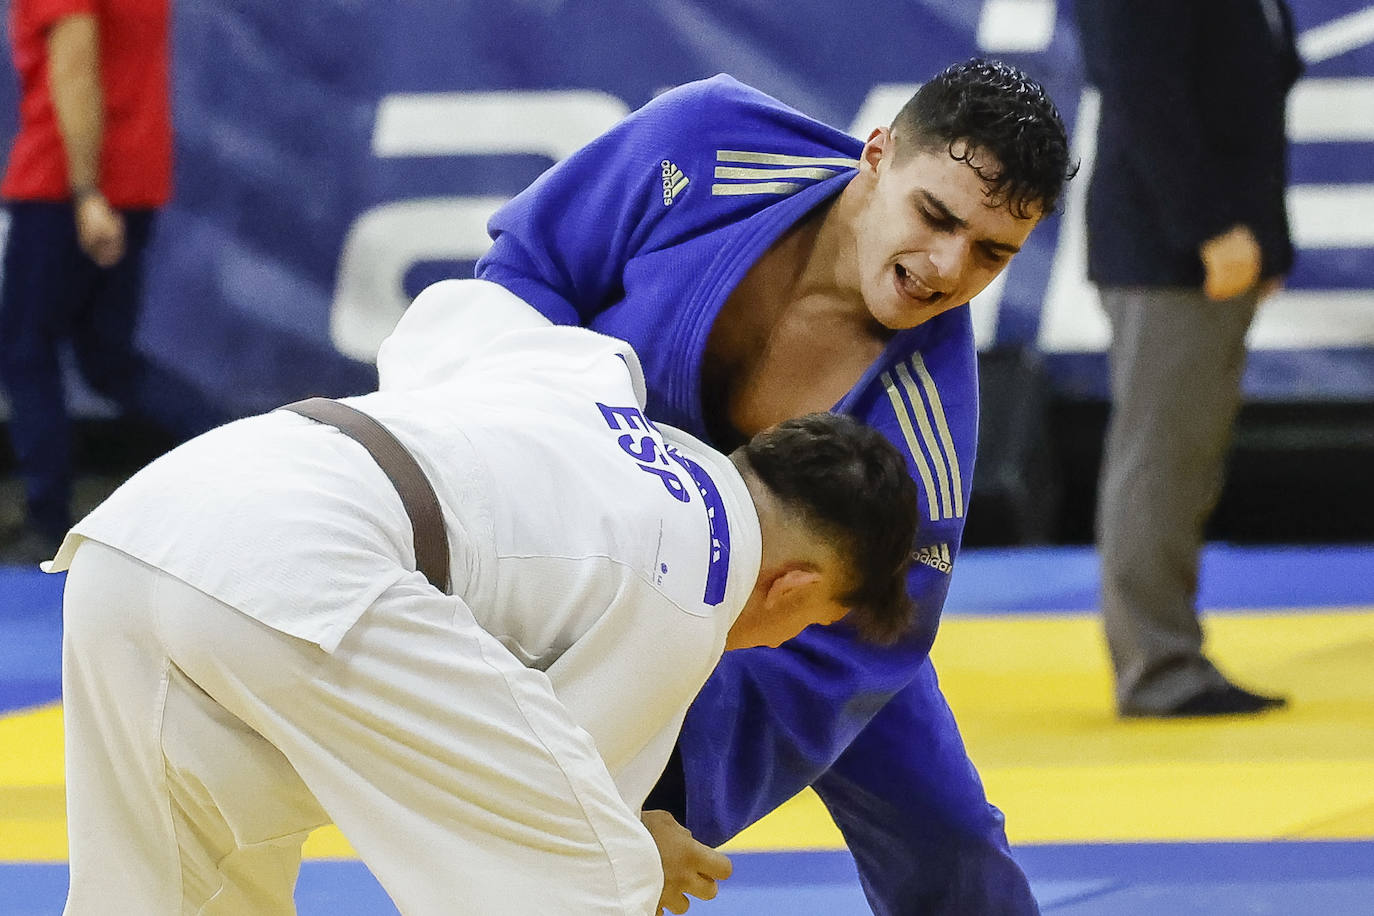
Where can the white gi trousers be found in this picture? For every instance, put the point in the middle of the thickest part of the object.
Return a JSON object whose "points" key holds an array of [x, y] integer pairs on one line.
{"points": [[203, 746]]}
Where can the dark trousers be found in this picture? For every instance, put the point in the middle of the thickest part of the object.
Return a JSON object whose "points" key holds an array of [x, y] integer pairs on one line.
{"points": [[53, 295]]}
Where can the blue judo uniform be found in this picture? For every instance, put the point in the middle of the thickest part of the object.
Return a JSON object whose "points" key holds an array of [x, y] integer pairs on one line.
{"points": [[642, 235]]}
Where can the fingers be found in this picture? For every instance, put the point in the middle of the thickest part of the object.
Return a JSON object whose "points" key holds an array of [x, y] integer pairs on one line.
{"points": [[703, 888], [674, 903], [1226, 281], [675, 900], [714, 864], [105, 250], [1230, 273], [1231, 263], [689, 867], [699, 884], [1225, 286], [100, 231]]}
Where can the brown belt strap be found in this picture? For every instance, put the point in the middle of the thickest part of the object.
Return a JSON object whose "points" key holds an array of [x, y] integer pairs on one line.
{"points": [[417, 495]]}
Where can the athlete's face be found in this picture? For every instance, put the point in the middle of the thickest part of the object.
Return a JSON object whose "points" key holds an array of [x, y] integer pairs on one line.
{"points": [[927, 240]]}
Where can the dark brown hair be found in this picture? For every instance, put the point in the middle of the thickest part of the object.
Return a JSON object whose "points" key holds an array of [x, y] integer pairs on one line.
{"points": [[852, 485], [982, 106]]}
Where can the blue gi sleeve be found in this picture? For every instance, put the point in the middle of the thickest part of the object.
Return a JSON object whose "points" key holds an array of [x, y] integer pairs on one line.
{"points": [[567, 243], [902, 789], [564, 242], [914, 815]]}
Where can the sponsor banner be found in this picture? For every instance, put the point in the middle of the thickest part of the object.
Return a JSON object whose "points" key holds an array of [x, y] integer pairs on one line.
{"points": [[334, 156]]}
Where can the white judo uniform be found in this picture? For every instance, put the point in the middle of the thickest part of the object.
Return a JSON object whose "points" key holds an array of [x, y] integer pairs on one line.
{"points": [[249, 653]]}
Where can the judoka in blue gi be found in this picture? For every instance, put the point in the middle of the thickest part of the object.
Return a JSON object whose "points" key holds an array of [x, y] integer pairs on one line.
{"points": [[764, 265]]}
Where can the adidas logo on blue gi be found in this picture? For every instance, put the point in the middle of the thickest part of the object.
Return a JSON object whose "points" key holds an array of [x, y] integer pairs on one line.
{"points": [[673, 182], [935, 556]]}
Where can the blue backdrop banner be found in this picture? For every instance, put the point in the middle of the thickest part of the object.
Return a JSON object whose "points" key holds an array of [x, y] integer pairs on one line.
{"points": [[334, 156]]}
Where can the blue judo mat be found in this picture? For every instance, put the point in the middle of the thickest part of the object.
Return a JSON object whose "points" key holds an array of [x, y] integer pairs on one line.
{"points": [[1126, 879]]}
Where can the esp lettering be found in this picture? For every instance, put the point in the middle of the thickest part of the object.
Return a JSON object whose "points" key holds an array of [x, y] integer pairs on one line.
{"points": [[644, 449]]}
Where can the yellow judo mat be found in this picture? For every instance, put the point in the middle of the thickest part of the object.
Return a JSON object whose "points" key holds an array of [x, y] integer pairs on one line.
{"points": [[1032, 696]]}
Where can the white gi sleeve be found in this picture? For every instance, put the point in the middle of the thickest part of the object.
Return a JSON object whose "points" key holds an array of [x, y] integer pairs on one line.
{"points": [[445, 326], [453, 321]]}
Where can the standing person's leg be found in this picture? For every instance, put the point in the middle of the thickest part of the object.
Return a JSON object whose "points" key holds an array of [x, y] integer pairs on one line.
{"points": [[105, 327], [451, 768], [105, 342], [1176, 364], [45, 274]]}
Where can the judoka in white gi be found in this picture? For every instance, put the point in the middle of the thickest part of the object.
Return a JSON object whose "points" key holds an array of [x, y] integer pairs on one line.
{"points": [[249, 652]]}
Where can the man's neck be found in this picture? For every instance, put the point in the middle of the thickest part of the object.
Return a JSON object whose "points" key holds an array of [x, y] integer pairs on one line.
{"points": [[809, 276], [825, 254], [795, 334]]}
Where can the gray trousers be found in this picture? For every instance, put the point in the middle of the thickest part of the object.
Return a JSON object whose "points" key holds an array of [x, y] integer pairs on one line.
{"points": [[1176, 365]]}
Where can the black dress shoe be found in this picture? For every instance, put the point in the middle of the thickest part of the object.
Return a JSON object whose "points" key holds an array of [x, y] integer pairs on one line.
{"points": [[1224, 700]]}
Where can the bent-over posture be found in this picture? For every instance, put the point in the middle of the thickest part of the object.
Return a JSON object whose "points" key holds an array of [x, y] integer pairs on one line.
{"points": [[250, 651]]}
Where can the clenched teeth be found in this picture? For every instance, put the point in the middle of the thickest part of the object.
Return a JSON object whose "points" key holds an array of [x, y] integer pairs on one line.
{"points": [[914, 287]]}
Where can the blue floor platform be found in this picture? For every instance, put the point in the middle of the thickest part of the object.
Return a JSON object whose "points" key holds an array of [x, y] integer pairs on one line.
{"points": [[1127, 879]]}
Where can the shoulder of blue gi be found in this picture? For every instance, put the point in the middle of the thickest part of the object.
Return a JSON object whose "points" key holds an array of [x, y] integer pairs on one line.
{"points": [[668, 173]]}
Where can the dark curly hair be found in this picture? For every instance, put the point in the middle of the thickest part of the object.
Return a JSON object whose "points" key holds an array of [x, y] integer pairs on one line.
{"points": [[992, 107], [852, 486]]}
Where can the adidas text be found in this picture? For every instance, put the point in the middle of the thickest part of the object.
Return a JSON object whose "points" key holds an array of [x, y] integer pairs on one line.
{"points": [[673, 182], [936, 557]]}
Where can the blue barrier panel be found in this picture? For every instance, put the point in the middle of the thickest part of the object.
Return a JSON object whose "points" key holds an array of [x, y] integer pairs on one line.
{"points": [[334, 156]]}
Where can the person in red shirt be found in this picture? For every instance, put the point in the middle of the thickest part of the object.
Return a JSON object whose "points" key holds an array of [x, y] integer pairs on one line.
{"points": [[89, 168]]}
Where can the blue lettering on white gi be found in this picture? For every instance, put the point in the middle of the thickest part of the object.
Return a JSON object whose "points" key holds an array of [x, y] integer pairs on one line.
{"points": [[644, 449], [718, 567]]}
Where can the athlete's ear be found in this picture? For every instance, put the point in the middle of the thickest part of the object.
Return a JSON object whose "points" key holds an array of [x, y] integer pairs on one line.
{"points": [[791, 586], [877, 148]]}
